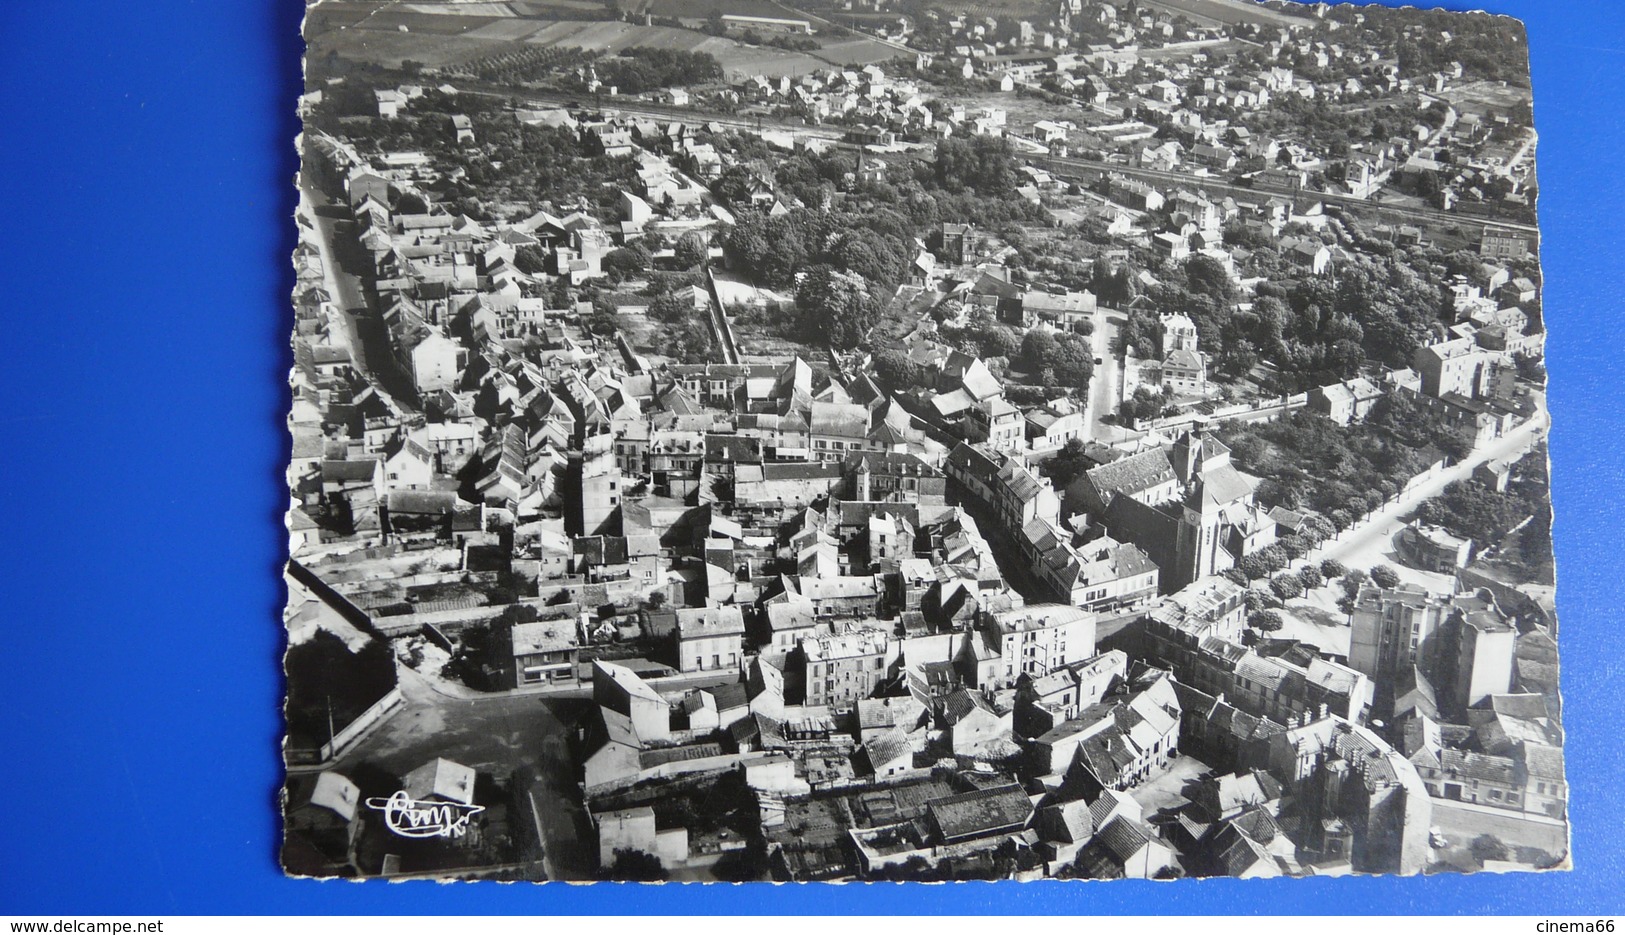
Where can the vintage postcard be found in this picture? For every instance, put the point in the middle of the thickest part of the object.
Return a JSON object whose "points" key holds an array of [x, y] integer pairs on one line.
{"points": [[918, 440]]}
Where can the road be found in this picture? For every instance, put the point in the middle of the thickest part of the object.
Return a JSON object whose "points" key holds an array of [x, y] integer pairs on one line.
{"points": [[344, 288], [363, 328], [1365, 543], [1106, 387]]}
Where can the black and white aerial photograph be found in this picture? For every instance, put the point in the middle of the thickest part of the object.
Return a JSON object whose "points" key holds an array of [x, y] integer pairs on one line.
{"points": [[917, 440]]}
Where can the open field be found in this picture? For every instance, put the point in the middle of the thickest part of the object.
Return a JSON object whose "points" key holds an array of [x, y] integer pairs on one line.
{"points": [[1229, 12], [859, 50], [441, 36], [450, 39], [1485, 96], [979, 9], [703, 9], [1188, 49]]}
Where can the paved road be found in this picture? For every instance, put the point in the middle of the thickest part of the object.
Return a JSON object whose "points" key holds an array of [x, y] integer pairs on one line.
{"points": [[1464, 821], [1106, 388], [364, 329], [344, 288]]}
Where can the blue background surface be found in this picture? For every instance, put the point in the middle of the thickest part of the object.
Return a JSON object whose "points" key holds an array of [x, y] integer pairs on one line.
{"points": [[146, 231]]}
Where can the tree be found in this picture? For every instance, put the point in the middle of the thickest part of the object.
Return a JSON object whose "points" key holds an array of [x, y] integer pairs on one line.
{"points": [[530, 258], [670, 308], [1293, 545], [1487, 847], [1146, 403], [626, 261], [1286, 586], [1531, 367], [895, 371], [1066, 464], [602, 321], [984, 164], [1253, 566], [1265, 621], [691, 250], [635, 866], [1205, 276], [994, 340], [1332, 568], [1319, 528], [1066, 355], [1311, 577], [1353, 579], [1273, 556], [1384, 577], [835, 307], [1037, 347]]}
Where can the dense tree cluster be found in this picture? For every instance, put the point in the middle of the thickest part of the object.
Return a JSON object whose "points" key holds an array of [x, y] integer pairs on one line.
{"points": [[982, 336], [1146, 403], [1477, 512], [1059, 359], [1065, 466], [1142, 331], [328, 684], [626, 262], [983, 164], [896, 372], [632, 865], [772, 250], [836, 307], [1315, 329], [1343, 472], [639, 69]]}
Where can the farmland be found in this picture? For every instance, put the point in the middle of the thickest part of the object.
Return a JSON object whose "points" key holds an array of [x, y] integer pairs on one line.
{"points": [[445, 37], [702, 9], [1226, 12]]}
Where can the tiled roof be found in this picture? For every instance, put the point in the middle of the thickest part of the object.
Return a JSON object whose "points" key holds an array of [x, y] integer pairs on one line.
{"points": [[1123, 838], [1466, 765], [959, 705], [1132, 474], [544, 636], [1542, 761], [981, 812]]}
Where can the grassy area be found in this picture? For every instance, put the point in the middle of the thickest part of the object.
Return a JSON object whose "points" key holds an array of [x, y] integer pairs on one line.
{"points": [[1229, 12], [369, 32]]}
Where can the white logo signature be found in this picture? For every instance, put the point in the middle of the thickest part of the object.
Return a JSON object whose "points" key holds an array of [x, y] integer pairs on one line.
{"points": [[411, 818]]}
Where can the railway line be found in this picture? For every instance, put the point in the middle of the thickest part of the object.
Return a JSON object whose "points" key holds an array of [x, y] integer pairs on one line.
{"points": [[1066, 167]]}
